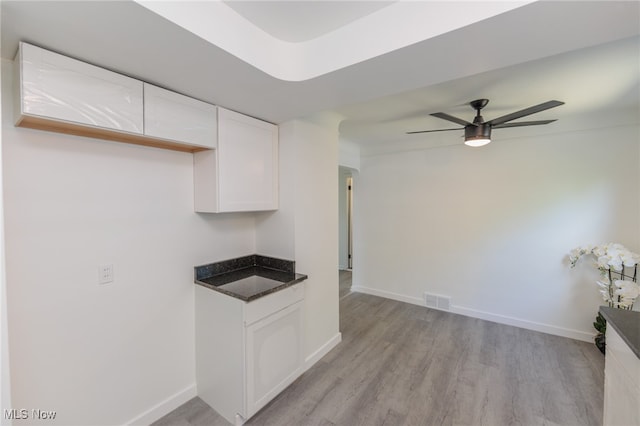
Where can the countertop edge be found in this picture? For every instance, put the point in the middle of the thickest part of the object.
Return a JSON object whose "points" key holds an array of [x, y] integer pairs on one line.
{"points": [[626, 323], [299, 278]]}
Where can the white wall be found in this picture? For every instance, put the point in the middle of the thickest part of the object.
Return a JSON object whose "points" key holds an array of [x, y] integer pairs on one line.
{"points": [[103, 354], [275, 233], [5, 383], [306, 223], [348, 154], [491, 227], [316, 240]]}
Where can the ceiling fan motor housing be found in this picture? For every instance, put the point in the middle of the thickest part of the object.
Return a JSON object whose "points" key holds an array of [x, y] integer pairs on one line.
{"points": [[479, 131]]}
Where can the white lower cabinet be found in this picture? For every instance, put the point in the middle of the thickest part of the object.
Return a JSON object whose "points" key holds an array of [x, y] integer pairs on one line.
{"points": [[270, 368], [621, 383], [247, 353]]}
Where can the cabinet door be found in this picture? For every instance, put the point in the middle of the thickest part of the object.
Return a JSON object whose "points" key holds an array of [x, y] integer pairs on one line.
{"points": [[274, 355], [172, 116], [247, 162], [57, 87], [621, 383]]}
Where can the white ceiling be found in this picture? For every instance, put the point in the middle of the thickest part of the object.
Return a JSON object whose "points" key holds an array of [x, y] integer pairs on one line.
{"points": [[374, 34], [297, 21], [586, 54]]}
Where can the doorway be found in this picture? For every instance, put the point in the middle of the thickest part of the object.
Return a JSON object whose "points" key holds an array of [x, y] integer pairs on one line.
{"points": [[350, 222], [345, 222]]}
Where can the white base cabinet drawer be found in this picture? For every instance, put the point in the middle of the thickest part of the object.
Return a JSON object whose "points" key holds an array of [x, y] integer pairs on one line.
{"points": [[267, 305]]}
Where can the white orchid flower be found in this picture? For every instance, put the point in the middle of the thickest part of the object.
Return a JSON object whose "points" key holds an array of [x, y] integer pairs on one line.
{"points": [[603, 262], [612, 257], [628, 290], [616, 263], [629, 259]]}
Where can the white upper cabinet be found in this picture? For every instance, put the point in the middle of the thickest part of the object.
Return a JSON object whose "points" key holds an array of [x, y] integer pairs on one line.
{"points": [[235, 156], [172, 116], [53, 86], [249, 170], [60, 94], [242, 173]]}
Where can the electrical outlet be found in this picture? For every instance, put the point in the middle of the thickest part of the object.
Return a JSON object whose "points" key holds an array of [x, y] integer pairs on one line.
{"points": [[105, 274]]}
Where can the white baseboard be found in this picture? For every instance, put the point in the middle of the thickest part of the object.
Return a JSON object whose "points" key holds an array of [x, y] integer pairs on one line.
{"points": [[322, 351], [501, 319], [529, 325], [388, 295], [164, 407]]}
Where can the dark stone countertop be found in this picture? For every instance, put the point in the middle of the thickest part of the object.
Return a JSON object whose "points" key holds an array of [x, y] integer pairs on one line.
{"points": [[626, 323], [248, 278]]}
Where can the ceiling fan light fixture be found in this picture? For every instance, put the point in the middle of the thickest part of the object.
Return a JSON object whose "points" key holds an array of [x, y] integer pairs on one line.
{"points": [[478, 134], [476, 142]]}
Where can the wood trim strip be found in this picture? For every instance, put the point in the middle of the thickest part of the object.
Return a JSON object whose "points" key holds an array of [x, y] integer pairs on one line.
{"points": [[40, 123]]}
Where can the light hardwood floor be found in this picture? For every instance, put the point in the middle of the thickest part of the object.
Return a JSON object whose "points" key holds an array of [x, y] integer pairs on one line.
{"points": [[344, 286], [401, 364]]}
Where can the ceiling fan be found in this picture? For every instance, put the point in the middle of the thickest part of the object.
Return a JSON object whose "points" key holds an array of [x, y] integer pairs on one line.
{"points": [[478, 133]]}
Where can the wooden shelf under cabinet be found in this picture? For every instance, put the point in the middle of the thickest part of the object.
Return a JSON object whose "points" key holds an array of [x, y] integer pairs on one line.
{"points": [[57, 126]]}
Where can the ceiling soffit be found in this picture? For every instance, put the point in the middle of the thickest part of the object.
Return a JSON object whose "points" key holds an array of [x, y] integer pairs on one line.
{"points": [[388, 29], [299, 21]]}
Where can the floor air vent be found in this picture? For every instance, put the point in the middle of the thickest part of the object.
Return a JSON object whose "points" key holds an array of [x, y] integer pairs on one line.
{"points": [[437, 302]]}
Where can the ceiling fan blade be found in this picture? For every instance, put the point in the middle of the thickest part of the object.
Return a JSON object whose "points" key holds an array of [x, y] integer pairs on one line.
{"points": [[452, 118], [524, 112], [522, 123], [429, 131]]}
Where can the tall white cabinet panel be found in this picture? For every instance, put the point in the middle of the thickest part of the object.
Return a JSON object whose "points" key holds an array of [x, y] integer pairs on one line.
{"points": [[220, 352], [172, 116], [242, 173], [621, 383], [54, 86]]}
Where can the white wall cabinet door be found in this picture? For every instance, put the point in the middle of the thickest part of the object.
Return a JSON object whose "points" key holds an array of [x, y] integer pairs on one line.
{"points": [[274, 355], [242, 173], [248, 165], [53, 86], [172, 116]]}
